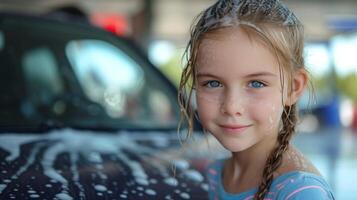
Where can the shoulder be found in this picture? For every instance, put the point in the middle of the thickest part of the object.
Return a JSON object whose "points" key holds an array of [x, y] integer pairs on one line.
{"points": [[303, 185]]}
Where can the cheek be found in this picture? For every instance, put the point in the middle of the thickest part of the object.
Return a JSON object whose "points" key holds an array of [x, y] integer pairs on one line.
{"points": [[268, 112], [206, 109]]}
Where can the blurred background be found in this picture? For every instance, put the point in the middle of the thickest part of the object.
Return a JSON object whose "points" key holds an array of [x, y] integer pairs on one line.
{"points": [[328, 128]]}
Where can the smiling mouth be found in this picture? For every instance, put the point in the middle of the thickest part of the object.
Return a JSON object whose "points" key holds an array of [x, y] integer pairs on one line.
{"points": [[234, 129]]}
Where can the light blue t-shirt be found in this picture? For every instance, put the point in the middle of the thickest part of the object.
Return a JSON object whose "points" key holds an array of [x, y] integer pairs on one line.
{"points": [[295, 185]]}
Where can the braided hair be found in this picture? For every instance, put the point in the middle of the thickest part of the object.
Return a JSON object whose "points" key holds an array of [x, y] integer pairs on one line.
{"points": [[289, 118]]}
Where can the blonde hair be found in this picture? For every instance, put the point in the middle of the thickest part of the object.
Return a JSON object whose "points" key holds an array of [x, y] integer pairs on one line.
{"points": [[279, 29]]}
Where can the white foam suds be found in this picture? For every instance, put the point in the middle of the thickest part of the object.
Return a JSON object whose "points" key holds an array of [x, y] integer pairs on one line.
{"points": [[205, 186], [150, 192], [74, 170], [181, 164], [93, 147], [95, 157], [29, 162], [100, 188], [153, 181], [14, 142], [2, 187], [137, 170], [171, 181], [34, 196], [63, 196], [194, 175], [184, 195], [48, 160]]}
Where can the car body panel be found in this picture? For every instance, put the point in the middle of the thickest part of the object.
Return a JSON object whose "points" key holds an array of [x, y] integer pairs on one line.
{"points": [[76, 164]]}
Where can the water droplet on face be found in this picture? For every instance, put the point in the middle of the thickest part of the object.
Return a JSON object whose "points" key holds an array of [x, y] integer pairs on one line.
{"points": [[6, 181], [123, 196]]}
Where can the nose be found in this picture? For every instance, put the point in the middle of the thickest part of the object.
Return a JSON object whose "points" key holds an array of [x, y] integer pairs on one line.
{"points": [[233, 104]]}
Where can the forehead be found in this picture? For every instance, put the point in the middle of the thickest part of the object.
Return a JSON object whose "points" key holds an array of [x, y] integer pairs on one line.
{"points": [[235, 48]]}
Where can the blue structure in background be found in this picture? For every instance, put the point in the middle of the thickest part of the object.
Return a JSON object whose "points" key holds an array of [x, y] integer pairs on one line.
{"points": [[328, 113]]}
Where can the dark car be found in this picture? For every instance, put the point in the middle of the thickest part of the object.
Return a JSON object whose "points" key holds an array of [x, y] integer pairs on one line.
{"points": [[84, 115]]}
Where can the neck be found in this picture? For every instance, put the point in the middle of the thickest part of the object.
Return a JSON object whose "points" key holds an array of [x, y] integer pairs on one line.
{"points": [[251, 162]]}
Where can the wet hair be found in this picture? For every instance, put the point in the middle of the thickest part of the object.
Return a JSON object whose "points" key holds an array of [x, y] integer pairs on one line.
{"points": [[280, 31]]}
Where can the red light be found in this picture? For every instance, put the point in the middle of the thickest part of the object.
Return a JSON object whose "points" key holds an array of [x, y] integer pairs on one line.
{"points": [[111, 22]]}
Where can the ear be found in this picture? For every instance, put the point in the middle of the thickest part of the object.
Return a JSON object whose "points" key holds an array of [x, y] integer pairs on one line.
{"points": [[299, 83]]}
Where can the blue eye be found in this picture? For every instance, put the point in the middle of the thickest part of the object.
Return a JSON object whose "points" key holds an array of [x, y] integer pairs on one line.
{"points": [[213, 84], [256, 84]]}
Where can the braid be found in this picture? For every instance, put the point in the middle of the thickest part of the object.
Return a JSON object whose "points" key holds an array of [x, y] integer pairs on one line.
{"points": [[289, 118]]}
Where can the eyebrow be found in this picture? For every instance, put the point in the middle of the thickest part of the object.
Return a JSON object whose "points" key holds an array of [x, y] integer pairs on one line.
{"points": [[258, 74]]}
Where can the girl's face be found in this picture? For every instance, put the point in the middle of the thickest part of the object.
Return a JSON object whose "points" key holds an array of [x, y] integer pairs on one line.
{"points": [[238, 89]]}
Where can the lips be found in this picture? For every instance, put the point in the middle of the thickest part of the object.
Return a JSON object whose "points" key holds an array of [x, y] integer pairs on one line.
{"points": [[234, 129]]}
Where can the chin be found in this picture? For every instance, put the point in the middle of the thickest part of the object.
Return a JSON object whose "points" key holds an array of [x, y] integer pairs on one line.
{"points": [[235, 147]]}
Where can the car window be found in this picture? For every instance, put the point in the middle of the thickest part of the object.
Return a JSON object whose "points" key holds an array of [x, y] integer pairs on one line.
{"points": [[81, 77], [109, 77], [41, 74]]}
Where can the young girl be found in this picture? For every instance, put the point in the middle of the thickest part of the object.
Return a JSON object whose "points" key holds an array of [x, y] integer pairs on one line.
{"points": [[245, 69]]}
